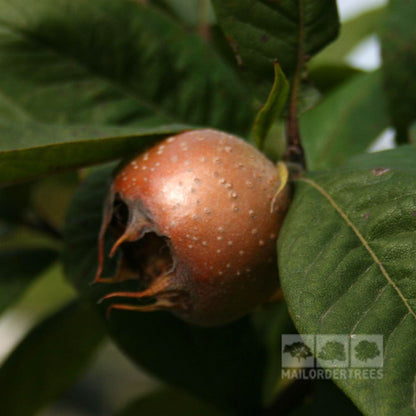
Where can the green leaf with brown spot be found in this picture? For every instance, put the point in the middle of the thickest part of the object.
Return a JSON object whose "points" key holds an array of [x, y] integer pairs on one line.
{"points": [[263, 31], [347, 264], [113, 62]]}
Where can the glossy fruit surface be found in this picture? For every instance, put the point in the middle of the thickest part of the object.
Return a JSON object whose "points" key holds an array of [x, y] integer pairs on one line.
{"points": [[196, 219]]}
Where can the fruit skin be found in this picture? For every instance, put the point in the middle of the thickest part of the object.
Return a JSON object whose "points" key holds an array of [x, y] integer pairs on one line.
{"points": [[200, 234]]}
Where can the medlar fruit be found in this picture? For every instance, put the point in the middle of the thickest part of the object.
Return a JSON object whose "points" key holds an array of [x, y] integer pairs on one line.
{"points": [[196, 218]]}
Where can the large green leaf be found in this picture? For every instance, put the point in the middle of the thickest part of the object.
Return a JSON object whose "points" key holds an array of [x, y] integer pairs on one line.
{"points": [[399, 63], [169, 402], [347, 262], [288, 31], [329, 76], [345, 122], [32, 149], [59, 64], [352, 32], [18, 268], [271, 321], [403, 157], [328, 69], [222, 365], [49, 360]]}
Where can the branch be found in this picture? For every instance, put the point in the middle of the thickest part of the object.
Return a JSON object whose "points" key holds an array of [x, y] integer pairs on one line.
{"points": [[294, 152]]}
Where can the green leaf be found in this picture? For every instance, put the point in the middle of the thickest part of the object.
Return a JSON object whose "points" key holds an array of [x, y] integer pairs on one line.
{"points": [[18, 268], [169, 402], [58, 65], [329, 76], [345, 122], [401, 158], [347, 265], [274, 105], [398, 46], [29, 150], [49, 360], [288, 31], [223, 365], [271, 321], [352, 32]]}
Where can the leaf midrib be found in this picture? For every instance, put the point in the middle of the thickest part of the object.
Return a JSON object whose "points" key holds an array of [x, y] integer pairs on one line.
{"points": [[366, 245]]}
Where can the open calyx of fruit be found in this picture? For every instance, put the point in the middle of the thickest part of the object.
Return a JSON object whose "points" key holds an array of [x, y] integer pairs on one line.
{"points": [[196, 219]]}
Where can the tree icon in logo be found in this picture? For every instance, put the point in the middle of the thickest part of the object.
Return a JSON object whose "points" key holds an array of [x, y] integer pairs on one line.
{"points": [[366, 350], [298, 350], [332, 351]]}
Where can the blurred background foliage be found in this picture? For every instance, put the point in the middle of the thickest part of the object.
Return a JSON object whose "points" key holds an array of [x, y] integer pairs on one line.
{"points": [[32, 214]]}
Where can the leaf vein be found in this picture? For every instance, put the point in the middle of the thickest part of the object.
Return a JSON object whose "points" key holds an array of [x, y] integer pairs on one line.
{"points": [[344, 293], [371, 306], [365, 243]]}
